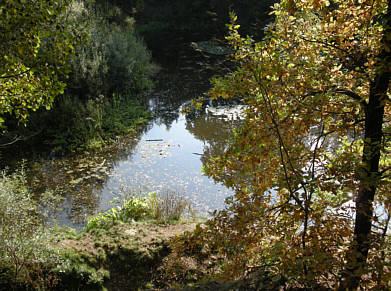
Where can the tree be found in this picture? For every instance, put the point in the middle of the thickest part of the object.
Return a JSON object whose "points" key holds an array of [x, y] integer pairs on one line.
{"points": [[35, 46], [310, 165]]}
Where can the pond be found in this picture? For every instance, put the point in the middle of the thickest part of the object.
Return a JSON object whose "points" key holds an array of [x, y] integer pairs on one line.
{"points": [[166, 155]]}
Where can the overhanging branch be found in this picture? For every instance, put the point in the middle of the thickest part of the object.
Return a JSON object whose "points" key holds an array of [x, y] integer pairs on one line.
{"points": [[352, 95]]}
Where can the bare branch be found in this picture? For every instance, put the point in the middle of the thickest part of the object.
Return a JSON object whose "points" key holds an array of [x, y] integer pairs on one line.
{"points": [[14, 139]]}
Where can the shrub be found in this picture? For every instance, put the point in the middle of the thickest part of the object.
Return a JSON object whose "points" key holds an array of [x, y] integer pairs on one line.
{"points": [[132, 208], [113, 60], [101, 99], [25, 255], [128, 61], [88, 125]]}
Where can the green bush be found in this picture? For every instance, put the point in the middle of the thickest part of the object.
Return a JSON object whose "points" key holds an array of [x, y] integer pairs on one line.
{"points": [[113, 60], [75, 124], [128, 61], [80, 271], [132, 209], [89, 68], [81, 125], [25, 256], [100, 101]]}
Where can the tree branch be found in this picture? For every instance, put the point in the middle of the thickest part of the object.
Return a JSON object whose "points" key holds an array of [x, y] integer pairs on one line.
{"points": [[353, 95], [16, 75]]}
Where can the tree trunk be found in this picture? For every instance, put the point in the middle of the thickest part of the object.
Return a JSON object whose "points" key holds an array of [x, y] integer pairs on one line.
{"points": [[369, 174]]}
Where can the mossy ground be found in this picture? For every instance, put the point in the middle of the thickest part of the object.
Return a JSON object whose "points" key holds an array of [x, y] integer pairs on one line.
{"points": [[138, 256], [123, 257]]}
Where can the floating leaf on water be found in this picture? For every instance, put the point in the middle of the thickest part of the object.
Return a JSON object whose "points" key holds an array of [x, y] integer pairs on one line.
{"points": [[211, 47], [76, 181]]}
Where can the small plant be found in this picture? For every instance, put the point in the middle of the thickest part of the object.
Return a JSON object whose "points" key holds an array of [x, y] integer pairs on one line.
{"points": [[138, 207], [169, 207], [132, 209]]}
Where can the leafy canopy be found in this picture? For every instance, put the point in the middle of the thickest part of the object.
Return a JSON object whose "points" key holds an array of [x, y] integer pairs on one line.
{"points": [[34, 48], [305, 150]]}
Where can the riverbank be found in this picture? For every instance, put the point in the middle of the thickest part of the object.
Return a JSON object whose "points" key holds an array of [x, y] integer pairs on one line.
{"points": [[143, 256], [133, 246], [126, 256]]}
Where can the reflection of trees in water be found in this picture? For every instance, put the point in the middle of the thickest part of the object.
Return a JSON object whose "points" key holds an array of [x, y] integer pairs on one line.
{"points": [[166, 101], [213, 131], [78, 178], [81, 177], [186, 75]]}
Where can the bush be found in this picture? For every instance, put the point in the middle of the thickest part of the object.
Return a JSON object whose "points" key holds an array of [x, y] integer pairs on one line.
{"points": [[75, 124], [100, 102], [113, 60], [25, 255], [89, 68], [128, 61], [89, 125], [133, 208], [101, 99]]}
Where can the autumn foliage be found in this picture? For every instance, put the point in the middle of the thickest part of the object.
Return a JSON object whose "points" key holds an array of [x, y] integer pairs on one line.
{"points": [[310, 166]]}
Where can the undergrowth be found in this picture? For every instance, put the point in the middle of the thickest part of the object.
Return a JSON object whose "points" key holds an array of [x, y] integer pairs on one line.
{"points": [[90, 125], [37, 256], [169, 207], [25, 256]]}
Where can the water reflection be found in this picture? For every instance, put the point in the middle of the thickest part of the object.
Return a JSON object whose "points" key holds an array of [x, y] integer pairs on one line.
{"points": [[214, 131], [172, 158], [79, 178], [158, 158], [136, 164]]}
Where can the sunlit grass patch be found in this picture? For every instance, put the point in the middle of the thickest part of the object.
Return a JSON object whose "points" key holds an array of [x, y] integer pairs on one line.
{"points": [[168, 207]]}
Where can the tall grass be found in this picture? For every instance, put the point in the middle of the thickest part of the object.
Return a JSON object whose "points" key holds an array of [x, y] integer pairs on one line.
{"points": [[171, 206]]}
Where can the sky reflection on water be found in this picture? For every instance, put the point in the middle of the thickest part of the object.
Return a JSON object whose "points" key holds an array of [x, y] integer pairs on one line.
{"points": [[171, 161]]}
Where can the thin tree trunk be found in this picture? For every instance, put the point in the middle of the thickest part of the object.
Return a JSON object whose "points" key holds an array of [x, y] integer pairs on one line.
{"points": [[369, 173]]}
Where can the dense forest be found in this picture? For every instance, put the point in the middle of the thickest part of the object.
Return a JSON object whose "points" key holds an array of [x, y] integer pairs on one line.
{"points": [[308, 163]]}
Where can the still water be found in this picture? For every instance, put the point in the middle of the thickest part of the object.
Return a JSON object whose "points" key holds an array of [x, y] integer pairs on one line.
{"points": [[169, 158], [166, 156]]}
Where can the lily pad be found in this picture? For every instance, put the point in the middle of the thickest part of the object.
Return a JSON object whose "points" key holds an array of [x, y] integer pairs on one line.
{"points": [[211, 47]]}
